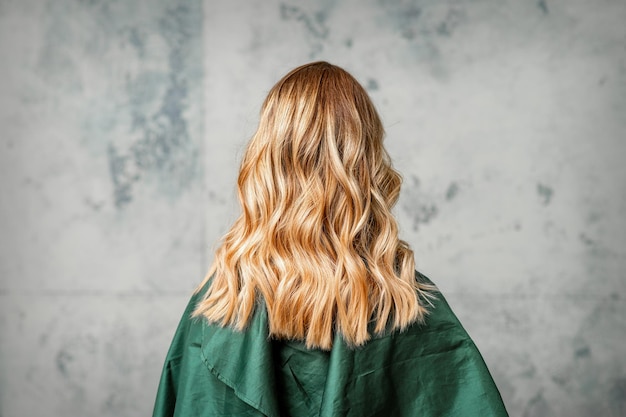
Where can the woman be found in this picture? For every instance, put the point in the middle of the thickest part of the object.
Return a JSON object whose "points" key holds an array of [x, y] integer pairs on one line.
{"points": [[312, 306]]}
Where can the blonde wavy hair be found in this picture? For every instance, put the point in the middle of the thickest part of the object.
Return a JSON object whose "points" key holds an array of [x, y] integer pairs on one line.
{"points": [[316, 238]]}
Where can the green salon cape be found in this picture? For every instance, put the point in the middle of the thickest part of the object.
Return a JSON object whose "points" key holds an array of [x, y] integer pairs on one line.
{"points": [[433, 369]]}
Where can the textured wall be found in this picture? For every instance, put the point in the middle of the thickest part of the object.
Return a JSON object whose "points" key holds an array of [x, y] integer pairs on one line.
{"points": [[122, 123]]}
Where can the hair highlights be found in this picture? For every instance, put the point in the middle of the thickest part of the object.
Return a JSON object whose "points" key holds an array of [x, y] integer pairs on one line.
{"points": [[316, 238]]}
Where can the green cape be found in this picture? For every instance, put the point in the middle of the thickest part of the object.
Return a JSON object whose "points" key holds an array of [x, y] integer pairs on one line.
{"points": [[431, 369]]}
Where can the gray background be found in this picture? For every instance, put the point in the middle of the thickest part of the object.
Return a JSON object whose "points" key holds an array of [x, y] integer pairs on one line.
{"points": [[122, 124]]}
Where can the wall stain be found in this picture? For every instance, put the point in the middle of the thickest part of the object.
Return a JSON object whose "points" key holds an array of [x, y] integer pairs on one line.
{"points": [[543, 6], [63, 360], [142, 128], [164, 147], [43, 339], [454, 18], [315, 25], [617, 397], [452, 191], [137, 40], [372, 85], [419, 21], [537, 406], [74, 361], [586, 239], [580, 347], [560, 380], [582, 352], [545, 193], [425, 27], [94, 205], [417, 204], [595, 374], [405, 17], [122, 180], [74, 354], [594, 217], [530, 372]]}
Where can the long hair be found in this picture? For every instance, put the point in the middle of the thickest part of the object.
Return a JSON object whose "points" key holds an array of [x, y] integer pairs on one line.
{"points": [[316, 239]]}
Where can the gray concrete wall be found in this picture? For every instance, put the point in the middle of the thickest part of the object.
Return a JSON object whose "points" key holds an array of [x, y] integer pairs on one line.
{"points": [[121, 127]]}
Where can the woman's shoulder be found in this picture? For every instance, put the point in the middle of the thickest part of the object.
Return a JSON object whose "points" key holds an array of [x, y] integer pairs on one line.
{"points": [[438, 311]]}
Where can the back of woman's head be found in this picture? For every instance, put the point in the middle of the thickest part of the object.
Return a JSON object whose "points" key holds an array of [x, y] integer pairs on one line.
{"points": [[316, 239]]}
